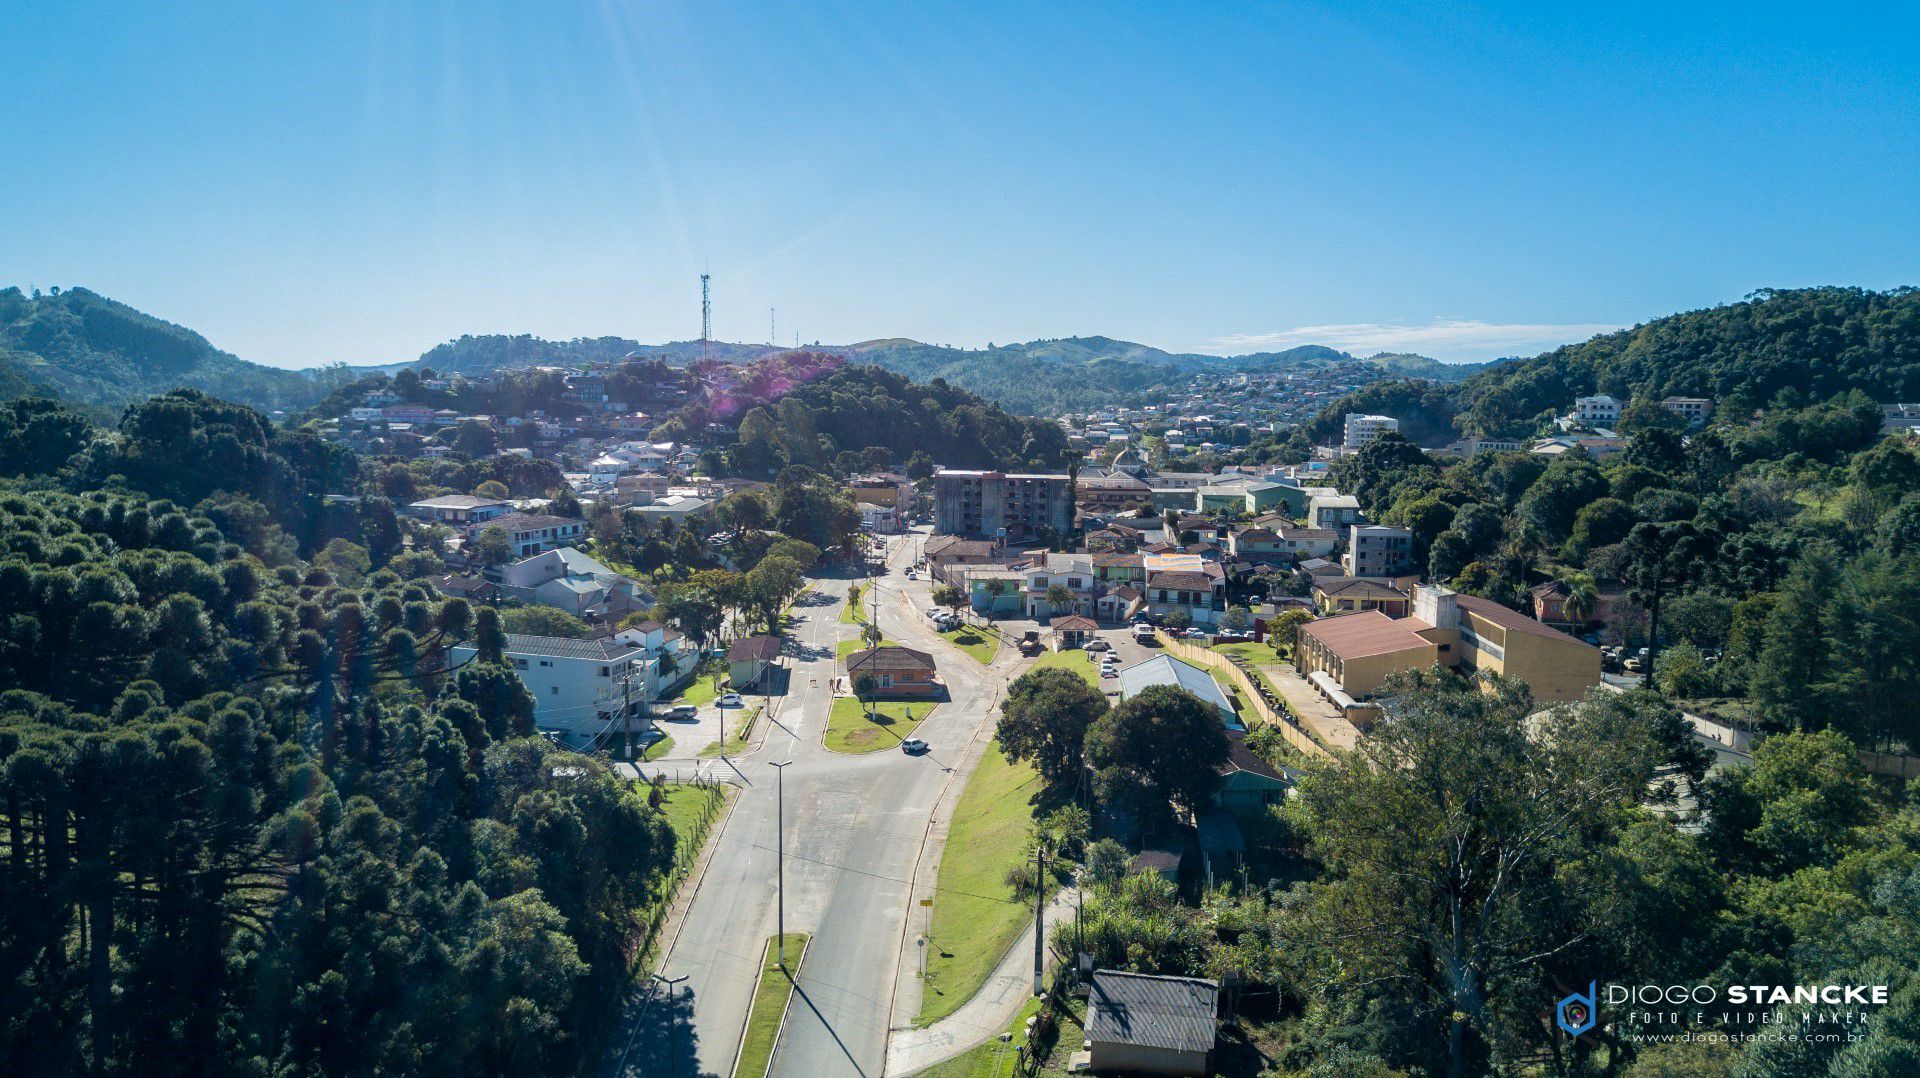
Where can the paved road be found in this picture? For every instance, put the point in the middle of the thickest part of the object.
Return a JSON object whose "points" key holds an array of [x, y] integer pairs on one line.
{"points": [[853, 828]]}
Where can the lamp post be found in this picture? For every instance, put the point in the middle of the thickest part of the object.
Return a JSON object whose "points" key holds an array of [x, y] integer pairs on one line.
{"points": [[780, 858], [672, 1055]]}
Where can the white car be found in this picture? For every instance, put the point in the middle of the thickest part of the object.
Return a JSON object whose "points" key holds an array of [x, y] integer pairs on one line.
{"points": [[731, 699], [1109, 671], [936, 612], [683, 712], [913, 746], [1097, 645]]}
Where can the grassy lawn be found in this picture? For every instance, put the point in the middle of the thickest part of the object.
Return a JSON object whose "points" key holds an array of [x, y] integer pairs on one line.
{"points": [[848, 647], [769, 1006], [978, 643], [975, 914], [1074, 659], [848, 729], [690, 812], [683, 807], [1257, 654], [700, 691], [735, 743], [658, 749]]}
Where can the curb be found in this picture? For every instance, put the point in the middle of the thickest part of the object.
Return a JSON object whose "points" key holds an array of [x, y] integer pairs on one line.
{"points": [[774, 1049]]}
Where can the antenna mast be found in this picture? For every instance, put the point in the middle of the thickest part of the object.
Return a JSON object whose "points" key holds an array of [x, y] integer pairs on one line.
{"points": [[772, 337], [706, 318]]}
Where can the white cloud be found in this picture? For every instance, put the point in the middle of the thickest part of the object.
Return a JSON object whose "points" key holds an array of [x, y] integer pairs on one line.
{"points": [[1442, 338]]}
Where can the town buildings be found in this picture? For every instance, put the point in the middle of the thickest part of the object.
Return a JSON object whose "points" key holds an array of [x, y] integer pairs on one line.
{"points": [[1378, 550], [1361, 430], [584, 690]]}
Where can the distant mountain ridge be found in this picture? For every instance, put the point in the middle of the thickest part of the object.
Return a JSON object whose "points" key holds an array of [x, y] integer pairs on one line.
{"points": [[98, 352]]}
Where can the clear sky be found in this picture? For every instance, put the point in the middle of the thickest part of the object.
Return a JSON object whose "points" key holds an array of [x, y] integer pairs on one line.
{"points": [[313, 182]]}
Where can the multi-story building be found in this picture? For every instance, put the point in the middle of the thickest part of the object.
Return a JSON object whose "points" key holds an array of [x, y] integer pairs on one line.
{"points": [[883, 488], [1378, 550], [1014, 505], [584, 690], [459, 510], [529, 533], [1363, 429], [1598, 411], [1694, 410], [1334, 512]]}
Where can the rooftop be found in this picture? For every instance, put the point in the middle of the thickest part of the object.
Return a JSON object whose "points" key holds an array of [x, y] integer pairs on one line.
{"points": [[605, 649], [754, 649], [1369, 632], [1173, 1013]]}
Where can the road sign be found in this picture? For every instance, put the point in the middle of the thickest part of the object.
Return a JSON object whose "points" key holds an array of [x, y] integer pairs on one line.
{"points": [[926, 902]]}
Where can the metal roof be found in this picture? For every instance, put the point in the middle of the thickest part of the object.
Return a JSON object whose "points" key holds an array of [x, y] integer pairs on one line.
{"points": [[1174, 1013]]}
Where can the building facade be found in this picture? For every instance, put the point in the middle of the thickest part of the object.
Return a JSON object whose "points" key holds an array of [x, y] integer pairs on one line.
{"points": [[1015, 505]]}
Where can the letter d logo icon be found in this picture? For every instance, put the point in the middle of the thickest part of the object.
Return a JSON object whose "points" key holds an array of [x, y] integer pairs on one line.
{"points": [[1577, 1013]]}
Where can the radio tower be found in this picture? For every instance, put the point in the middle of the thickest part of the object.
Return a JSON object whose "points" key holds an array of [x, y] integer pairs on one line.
{"points": [[771, 335], [706, 318]]}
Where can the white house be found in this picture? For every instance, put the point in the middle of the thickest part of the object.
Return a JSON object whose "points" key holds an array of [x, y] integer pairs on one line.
{"points": [[1073, 572], [530, 533], [459, 509], [1598, 411], [572, 581], [584, 689]]}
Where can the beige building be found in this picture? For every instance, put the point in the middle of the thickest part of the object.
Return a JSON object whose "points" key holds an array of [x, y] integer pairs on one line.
{"points": [[1348, 657]]}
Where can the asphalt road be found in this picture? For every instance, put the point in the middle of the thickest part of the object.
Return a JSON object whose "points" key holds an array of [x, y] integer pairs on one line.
{"points": [[853, 829]]}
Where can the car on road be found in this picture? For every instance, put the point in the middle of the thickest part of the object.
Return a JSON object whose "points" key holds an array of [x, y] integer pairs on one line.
{"points": [[1110, 671], [1097, 644], [913, 746], [911, 575], [683, 712], [934, 612], [731, 699], [1142, 634]]}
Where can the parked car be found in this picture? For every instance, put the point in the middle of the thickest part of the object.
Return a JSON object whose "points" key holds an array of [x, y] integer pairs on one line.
{"points": [[1143, 634], [911, 575], [1097, 644], [731, 699], [913, 746], [1109, 671], [683, 712]]}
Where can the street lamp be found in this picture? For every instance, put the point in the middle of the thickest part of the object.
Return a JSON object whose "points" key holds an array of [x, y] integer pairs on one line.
{"points": [[672, 1045], [780, 857]]}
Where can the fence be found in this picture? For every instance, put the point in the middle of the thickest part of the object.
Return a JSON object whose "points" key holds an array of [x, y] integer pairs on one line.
{"points": [[1264, 702], [1888, 765], [686, 850]]}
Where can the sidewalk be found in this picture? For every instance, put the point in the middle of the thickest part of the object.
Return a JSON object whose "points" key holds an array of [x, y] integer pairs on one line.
{"points": [[987, 1014]]}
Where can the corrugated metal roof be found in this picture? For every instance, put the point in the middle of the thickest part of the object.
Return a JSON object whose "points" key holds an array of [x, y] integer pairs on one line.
{"points": [[1174, 1013]]}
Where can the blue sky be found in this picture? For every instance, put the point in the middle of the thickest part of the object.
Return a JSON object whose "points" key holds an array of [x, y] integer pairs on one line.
{"points": [[306, 183]]}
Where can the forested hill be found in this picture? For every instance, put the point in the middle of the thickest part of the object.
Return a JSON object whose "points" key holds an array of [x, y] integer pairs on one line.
{"points": [[1809, 343], [1792, 347], [492, 352], [1078, 373], [91, 350]]}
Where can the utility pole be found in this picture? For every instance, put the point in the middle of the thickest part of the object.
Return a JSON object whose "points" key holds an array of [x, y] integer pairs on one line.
{"points": [[626, 707], [1039, 914], [673, 1039], [780, 857]]}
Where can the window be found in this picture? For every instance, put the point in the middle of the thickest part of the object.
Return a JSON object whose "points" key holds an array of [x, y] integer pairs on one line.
{"points": [[556, 690]]}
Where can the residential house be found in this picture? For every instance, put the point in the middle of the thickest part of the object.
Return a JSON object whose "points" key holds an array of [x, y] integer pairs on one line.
{"points": [[1178, 674], [1549, 606], [1899, 418], [751, 660], [529, 533], [1071, 571], [585, 689], [1249, 783], [1198, 589], [883, 488], [574, 582], [1143, 1024], [459, 510], [675, 507], [1115, 492], [893, 671]]}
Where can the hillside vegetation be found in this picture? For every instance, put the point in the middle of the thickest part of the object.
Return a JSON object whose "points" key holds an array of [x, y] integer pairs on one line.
{"points": [[91, 350]]}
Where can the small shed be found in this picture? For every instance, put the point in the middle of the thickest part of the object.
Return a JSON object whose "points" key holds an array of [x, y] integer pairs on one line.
{"points": [[1072, 631], [1142, 1024], [750, 658]]}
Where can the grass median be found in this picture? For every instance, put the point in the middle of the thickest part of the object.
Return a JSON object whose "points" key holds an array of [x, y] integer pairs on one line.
{"points": [[850, 730], [976, 914], [980, 644], [770, 999], [1075, 659]]}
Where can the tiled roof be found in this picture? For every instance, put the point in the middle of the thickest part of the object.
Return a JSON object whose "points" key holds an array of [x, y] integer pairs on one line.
{"points": [[527, 522], [1513, 620], [1172, 1013], [1075, 623], [1182, 580], [1369, 632], [889, 657], [754, 649]]}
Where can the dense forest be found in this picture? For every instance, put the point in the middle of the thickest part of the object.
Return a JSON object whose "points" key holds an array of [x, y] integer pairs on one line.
{"points": [[91, 350], [252, 824]]}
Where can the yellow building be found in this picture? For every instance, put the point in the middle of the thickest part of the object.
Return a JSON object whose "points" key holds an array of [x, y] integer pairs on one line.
{"points": [[1349, 656], [1350, 595]]}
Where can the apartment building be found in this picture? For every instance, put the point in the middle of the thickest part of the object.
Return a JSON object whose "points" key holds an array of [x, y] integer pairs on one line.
{"points": [[1378, 550], [1363, 429], [1598, 411], [1014, 505]]}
